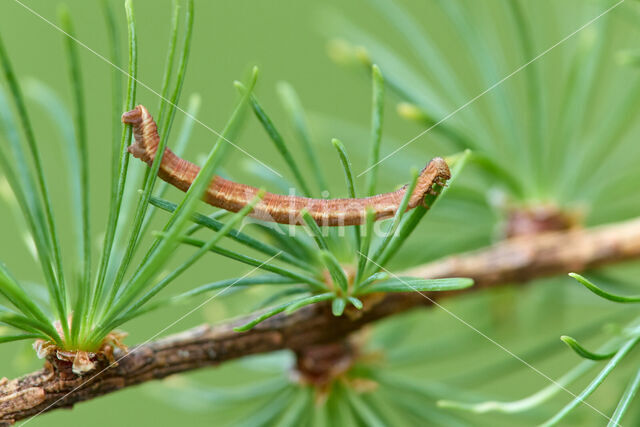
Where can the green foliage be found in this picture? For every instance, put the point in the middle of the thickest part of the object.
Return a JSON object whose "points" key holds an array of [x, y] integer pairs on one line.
{"points": [[118, 290], [100, 306], [35, 200], [570, 145], [615, 350], [535, 146], [296, 114], [548, 124], [583, 352], [408, 284], [377, 107], [375, 389], [602, 293]]}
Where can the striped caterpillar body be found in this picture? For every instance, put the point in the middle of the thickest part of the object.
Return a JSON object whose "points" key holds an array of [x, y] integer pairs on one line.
{"points": [[233, 196]]}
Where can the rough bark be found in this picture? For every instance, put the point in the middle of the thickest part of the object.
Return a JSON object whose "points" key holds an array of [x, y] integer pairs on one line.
{"points": [[514, 261]]}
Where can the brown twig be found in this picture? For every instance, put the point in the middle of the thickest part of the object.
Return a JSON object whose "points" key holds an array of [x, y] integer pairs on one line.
{"points": [[514, 261]]}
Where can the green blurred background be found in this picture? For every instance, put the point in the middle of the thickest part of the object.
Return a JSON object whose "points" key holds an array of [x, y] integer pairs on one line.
{"points": [[287, 39]]}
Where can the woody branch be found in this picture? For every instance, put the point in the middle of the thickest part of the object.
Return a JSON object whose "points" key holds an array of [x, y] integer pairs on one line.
{"points": [[517, 260]]}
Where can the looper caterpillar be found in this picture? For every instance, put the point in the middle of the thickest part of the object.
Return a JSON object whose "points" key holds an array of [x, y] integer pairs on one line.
{"points": [[233, 196]]}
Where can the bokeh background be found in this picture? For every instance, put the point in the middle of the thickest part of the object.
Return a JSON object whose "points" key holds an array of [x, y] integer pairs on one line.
{"points": [[288, 40]]}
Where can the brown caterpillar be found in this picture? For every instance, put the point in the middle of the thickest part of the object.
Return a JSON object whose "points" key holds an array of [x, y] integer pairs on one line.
{"points": [[233, 196]]}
